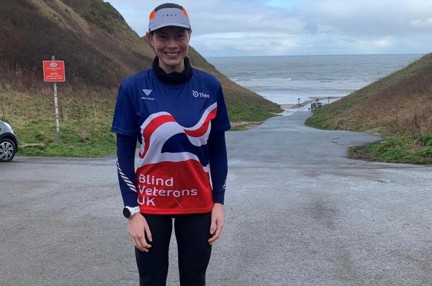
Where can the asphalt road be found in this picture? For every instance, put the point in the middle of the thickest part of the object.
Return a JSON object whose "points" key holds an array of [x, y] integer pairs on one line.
{"points": [[298, 212]]}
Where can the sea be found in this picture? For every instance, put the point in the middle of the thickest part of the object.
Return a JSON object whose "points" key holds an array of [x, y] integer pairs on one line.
{"points": [[292, 80]]}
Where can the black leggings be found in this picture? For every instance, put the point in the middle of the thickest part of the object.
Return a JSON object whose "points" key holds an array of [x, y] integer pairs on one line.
{"points": [[192, 234]]}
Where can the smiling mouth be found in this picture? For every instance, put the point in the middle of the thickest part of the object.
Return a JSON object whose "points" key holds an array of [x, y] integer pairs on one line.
{"points": [[171, 54]]}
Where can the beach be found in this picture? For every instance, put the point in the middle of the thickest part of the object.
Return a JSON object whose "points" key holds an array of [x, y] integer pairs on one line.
{"points": [[292, 80]]}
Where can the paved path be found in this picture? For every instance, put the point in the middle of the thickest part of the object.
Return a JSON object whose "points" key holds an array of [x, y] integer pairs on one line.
{"points": [[297, 213]]}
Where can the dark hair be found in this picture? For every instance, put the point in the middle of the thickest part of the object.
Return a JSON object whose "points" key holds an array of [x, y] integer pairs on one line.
{"points": [[152, 32]]}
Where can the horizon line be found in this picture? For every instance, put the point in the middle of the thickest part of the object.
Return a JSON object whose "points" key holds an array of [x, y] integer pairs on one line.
{"points": [[314, 55]]}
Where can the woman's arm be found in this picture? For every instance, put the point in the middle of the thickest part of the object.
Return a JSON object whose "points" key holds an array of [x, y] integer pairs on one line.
{"points": [[219, 170]]}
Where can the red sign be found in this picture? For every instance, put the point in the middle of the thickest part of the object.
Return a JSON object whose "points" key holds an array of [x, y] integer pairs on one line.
{"points": [[54, 71]]}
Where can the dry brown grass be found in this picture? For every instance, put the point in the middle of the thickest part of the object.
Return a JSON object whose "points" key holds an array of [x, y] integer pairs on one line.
{"points": [[400, 103], [62, 15]]}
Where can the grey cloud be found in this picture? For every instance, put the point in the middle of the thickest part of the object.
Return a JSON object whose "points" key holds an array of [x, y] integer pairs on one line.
{"points": [[299, 26]]}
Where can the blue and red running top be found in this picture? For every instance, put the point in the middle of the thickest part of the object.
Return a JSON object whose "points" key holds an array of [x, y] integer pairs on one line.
{"points": [[182, 165]]}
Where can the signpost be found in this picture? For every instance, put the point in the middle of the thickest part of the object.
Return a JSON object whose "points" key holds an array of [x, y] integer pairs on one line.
{"points": [[54, 71]]}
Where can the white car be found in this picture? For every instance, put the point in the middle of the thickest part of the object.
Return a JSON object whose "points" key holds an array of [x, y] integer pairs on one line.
{"points": [[8, 142]]}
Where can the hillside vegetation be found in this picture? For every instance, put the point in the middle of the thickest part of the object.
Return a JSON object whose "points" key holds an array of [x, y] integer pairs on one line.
{"points": [[99, 50], [398, 107]]}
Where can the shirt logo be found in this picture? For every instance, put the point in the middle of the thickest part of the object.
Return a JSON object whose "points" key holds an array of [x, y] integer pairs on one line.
{"points": [[197, 94], [147, 93]]}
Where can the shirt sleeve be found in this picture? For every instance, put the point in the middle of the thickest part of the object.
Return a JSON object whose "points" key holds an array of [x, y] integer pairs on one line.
{"points": [[126, 169], [125, 115], [218, 164], [125, 125], [221, 122]]}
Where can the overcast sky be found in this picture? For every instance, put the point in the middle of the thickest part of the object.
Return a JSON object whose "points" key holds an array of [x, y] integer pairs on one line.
{"points": [[298, 27]]}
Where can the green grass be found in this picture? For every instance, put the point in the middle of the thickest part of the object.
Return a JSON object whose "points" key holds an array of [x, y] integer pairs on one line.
{"points": [[76, 139], [397, 149], [394, 148], [85, 120]]}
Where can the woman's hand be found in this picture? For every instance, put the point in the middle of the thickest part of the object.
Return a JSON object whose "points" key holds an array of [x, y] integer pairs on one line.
{"points": [[139, 232], [217, 223]]}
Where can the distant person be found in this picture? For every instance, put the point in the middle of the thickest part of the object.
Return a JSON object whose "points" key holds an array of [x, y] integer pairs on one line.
{"points": [[179, 116]]}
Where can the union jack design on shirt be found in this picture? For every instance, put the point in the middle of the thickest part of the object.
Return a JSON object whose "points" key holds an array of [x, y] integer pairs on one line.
{"points": [[169, 152]]}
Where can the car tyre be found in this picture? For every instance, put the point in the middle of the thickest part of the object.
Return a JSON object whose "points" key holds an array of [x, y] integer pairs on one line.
{"points": [[7, 150]]}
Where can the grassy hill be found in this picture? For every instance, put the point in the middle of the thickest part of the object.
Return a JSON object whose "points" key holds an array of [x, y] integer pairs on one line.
{"points": [[398, 107], [99, 49]]}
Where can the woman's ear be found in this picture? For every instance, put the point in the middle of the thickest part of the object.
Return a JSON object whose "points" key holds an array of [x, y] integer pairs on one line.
{"points": [[149, 37]]}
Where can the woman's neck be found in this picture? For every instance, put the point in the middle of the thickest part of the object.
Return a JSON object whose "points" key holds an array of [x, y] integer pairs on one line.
{"points": [[173, 76]]}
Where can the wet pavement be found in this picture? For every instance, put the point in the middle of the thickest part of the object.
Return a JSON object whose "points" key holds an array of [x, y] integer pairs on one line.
{"points": [[297, 212]]}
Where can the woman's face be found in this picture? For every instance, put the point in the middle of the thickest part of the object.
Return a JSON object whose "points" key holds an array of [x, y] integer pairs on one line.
{"points": [[171, 45]]}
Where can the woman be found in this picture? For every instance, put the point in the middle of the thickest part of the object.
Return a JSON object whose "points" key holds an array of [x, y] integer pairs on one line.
{"points": [[179, 116]]}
